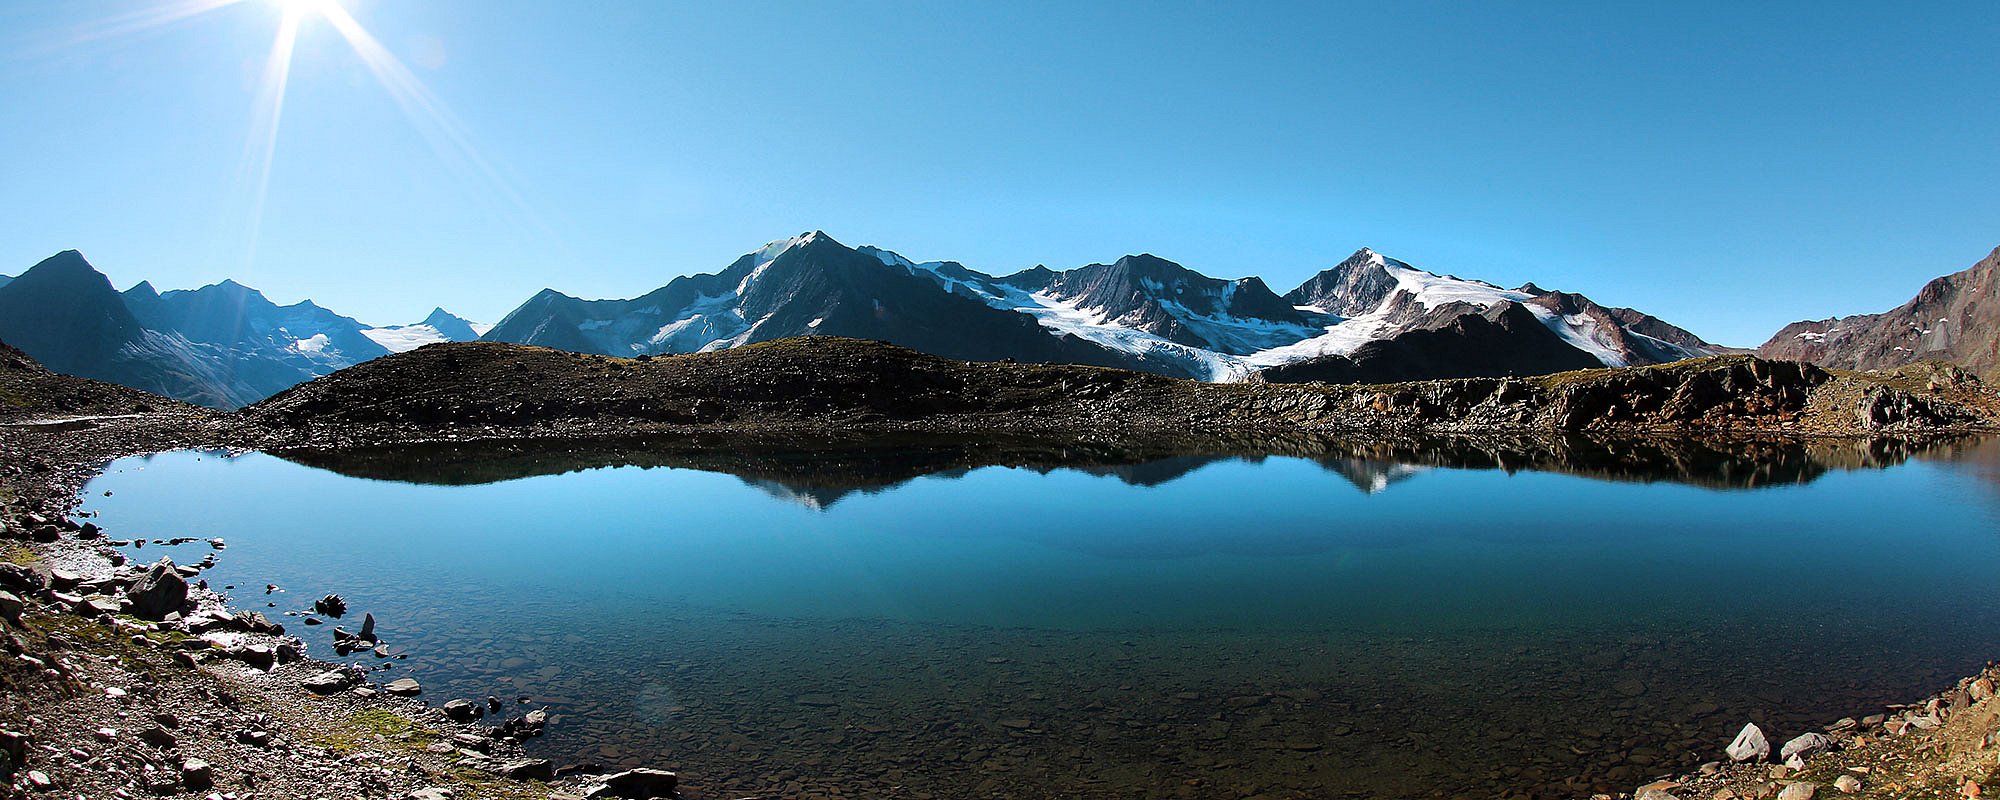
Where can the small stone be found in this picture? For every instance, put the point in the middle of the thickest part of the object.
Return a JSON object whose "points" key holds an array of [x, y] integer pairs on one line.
{"points": [[404, 687], [38, 780], [1657, 790], [159, 737], [1798, 791], [1847, 784], [459, 710], [1970, 789], [1980, 689], [197, 775]]}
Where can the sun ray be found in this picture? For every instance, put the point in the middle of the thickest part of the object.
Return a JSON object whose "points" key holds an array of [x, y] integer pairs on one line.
{"points": [[147, 18], [261, 149], [430, 116]]}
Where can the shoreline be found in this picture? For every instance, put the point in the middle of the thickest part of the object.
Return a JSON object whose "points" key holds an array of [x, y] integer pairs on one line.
{"points": [[48, 485]]}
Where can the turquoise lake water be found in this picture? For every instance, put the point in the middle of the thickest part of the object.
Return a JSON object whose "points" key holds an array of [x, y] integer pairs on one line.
{"points": [[1186, 627]]}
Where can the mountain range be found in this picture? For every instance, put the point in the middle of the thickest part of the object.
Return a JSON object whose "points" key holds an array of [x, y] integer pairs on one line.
{"points": [[1139, 312], [223, 345], [1367, 319]]}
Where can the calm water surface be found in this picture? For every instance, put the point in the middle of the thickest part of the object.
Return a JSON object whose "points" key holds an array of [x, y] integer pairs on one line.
{"points": [[1190, 627]]}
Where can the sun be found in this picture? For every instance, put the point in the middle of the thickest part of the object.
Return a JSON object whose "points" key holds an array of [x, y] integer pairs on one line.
{"points": [[320, 8]]}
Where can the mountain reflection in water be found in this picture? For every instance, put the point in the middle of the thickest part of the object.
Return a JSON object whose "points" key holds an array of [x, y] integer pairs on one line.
{"points": [[818, 474]]}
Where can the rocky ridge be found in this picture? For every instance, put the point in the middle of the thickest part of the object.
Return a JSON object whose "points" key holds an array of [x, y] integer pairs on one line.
{"points": [[831, 385]]}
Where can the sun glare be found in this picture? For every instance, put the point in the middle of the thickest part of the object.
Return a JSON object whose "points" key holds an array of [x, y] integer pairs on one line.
{"points": [[307, 7], [424, 110]]}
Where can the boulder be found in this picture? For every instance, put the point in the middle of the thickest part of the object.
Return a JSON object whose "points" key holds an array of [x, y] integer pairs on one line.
{"points": [[11, 607], [636, 784], [1807, 746], [161, 591], [1749, 745]]}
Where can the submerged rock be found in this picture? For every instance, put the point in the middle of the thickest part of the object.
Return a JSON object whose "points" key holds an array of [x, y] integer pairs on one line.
{"points": [[636, 784]]}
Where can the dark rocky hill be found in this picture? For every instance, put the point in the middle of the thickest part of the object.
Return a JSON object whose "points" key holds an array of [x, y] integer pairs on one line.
{"points": [[29, 391], [831, 385]]}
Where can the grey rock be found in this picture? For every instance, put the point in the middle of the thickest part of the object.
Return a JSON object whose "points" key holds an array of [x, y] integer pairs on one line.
{"points": [[159, 592], [636, 784], [1798, 791], [330, 681], [1749, 745], [1806, 746], [406, 687]]}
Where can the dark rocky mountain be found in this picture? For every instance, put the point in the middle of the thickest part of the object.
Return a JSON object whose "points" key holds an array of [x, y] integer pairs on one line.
{"points": [[1952, 318], [1503, 340], [65, 314], [4, 280], [1380, 299]]}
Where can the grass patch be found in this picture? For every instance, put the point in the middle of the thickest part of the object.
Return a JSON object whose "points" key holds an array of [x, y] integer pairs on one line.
{"points": [[373, 729], [21, 556]]}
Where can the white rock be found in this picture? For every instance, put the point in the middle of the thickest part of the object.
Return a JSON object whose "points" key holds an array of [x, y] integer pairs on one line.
{"points": [[1749, 745], [1798, 791]]}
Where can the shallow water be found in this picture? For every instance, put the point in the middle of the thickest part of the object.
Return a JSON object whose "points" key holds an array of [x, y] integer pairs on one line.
{"points": [[1191, 626]]}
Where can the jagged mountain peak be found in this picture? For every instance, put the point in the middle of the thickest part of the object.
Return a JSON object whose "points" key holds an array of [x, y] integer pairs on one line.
{"points": [[66, 266]]}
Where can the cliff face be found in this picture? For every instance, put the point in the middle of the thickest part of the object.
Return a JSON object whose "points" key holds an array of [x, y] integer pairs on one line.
{"points": [[1954, 318]]}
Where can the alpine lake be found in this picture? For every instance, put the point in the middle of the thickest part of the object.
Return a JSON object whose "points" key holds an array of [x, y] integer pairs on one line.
{"points": [[928, 620]]}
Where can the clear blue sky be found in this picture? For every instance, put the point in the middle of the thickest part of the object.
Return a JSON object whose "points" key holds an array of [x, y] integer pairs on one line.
{"points": [[1730, 167]]}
